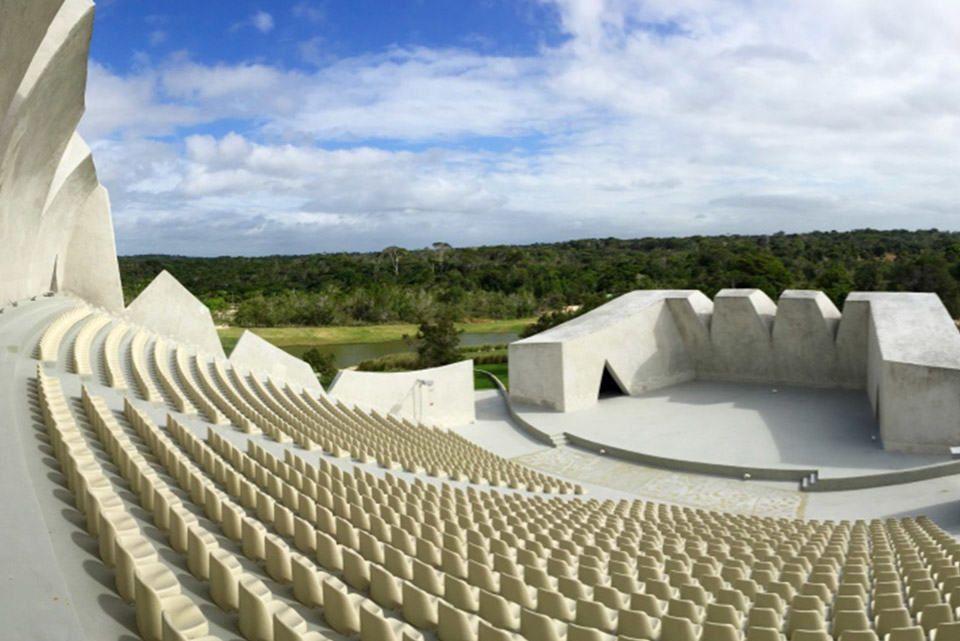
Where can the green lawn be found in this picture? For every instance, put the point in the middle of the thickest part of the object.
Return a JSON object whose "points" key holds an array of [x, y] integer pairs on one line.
{"points": [[281, 336], [481, 381]]}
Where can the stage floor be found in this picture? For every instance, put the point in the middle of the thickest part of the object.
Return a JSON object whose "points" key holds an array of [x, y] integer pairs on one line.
{"points": [[739, 424]]}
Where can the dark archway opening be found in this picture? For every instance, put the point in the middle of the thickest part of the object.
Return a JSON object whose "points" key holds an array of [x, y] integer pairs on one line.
{"points": [[609, 386]]}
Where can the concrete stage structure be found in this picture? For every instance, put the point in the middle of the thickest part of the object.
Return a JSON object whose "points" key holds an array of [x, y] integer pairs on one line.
{"points": [[155, 489], [901, 349]]}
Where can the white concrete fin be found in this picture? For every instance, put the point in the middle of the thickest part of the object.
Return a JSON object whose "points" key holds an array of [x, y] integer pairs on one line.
{"points": [[169, 309], [804, 335], [741, 336], [22, 27], [47, 179], [254, 353]]}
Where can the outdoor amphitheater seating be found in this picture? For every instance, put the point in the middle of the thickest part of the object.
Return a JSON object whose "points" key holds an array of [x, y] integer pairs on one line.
{"points": [[294, 504]]}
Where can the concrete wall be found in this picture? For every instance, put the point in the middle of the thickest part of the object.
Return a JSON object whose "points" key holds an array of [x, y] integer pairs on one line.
{"points": [[901, 348], [167, 308], [49, 192], [253, 353], [441, 396]]}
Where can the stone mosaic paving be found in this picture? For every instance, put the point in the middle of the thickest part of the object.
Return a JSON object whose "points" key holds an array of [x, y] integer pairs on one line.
{"points": [[674, 487]]}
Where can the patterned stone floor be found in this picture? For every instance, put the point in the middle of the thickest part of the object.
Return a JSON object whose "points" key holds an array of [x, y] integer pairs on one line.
{"points": [[674, 487]]}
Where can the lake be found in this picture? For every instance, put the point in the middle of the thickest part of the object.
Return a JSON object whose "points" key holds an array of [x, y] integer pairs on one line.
{"points": [[349, 354]]}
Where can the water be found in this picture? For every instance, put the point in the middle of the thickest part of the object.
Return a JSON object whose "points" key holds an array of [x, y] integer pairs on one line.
{"points": [[349, 354]]}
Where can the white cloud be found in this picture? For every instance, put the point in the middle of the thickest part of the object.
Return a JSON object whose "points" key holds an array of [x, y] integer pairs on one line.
{"points": [[655, 117], [262, 22]]}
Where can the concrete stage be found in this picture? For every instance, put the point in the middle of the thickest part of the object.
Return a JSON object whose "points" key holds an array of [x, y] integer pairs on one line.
{"points": [[739, 424]]}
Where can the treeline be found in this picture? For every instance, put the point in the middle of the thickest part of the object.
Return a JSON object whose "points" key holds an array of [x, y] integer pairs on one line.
{"points": [[514, 281]]}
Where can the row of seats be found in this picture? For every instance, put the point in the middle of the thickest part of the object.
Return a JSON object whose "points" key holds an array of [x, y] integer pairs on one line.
{"points": [[49, 348], [163, 611], [221, 394], [83, 345]]}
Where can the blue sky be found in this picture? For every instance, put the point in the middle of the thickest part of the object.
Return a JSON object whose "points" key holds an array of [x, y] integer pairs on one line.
{"points": [[255, 127]]}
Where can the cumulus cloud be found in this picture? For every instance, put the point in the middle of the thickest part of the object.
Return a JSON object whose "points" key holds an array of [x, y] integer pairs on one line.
{"points": [[653, 117]]}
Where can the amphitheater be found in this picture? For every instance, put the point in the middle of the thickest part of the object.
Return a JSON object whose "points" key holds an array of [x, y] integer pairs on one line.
{"points": [[767, 471]]}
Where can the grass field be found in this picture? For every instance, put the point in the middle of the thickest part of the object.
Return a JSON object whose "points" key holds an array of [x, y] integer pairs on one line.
{"points": [[281, 336], [499, 369]]}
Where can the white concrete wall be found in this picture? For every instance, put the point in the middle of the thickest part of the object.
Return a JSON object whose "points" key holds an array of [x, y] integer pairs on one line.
{"points": [[254, 353], [48, 184], [804, 339], [536, 373], [441, 396], [167, 308]]}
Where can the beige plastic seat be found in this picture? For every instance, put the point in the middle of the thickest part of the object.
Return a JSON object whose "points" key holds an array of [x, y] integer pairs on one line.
{"points": [[804, 620], [720, 632], [582, 633], [887, 620], [763, 634], [769, 600], [811, 635], [911, 633], [132, 551], [419, 607], [808, 602], [764, 618], [849, 620], [923, 598], [374, 626], [157, 591], [849, 602], [596, 615], [946, 632], [555, 605], [678, 629], [290, 626], [498, 611], [454, 624], [933, 616], [647, 603], [733, 597], [385, 588], [539, 627], [341, 610], [637, 624], [257, 608], [858, 635], [889, 601], [225, 574]]}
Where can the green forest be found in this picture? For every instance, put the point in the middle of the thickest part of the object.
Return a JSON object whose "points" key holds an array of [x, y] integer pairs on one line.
{"points": [[494, 282]]}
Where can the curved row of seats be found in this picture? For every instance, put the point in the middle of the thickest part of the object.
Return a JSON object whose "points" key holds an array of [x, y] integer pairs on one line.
{"points": [[222, 394], [49, 347]]}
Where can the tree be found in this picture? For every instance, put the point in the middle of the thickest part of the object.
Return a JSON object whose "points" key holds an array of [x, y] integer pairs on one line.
{"points": [[394, 254], [438, 342], [322, 364], [440, 251]]}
